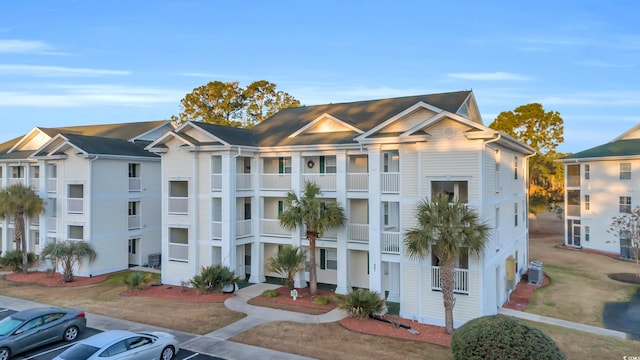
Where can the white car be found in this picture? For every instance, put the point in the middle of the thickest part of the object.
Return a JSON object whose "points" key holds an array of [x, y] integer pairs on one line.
{"points": [[122, 344]]}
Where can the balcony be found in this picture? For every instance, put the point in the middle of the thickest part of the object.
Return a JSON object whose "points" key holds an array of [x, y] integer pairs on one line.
{"points": [[53, 225], [326, 182], [179, 252], [573, 180], [390, 183], [358, 233], [52, 185], [330, 235], [461, 278], [273, 227], [35, 184], [243, 228], [358, 182], [134, 222], [243, 181], [573, 210], [216, 230], [276, 181], [390, 242], [75, 205], [13, 181], [216, 182], [134, 184], [179, 205]]}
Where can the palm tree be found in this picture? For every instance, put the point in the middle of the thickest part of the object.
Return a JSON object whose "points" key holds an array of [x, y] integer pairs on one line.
{"points": [[445, 228], [315, 216], [288, 262], [19, 201], [69, 253]]}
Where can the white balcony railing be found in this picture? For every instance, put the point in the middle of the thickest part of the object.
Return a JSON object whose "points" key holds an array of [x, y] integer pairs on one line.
{"points": [[179, 252], [216, 182], [461, 280], [178, 205], [326, 182], [273, 227], [52, 185], [276, 181], [573, 210], [75, 205], [573, 180], [53, 225], [390, 183], [134, 222], [35, 221], [243, 228], [390, 242], [13, 181], [134, 184], [330, 235], [358, 233], [35, 184], [216, 230], [358, 182], [243, 181]]}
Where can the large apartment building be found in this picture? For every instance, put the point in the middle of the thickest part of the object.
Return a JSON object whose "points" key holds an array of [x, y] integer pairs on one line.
{"points": [[224, 187], [600, 184], [99, 185]]}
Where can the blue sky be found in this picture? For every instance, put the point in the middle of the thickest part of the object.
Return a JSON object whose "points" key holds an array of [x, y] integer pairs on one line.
{"points": [[79, 62]]}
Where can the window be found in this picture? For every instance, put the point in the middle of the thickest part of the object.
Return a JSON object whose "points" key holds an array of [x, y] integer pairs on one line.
{"points": [[497, 225], [280, 206], [115, 349], [390, 161], [328, 259], [625, 204], [587, 202], [497, 179], [284, 165], [587, 171], [515, 214], [179, 197], [625, 171], [179, 244], [75, 201], [587, 232], [76, 232], [133, 207], [515, 168], [16, 172], [456, 190], [134, 215], [137, 341], [134, 170]]}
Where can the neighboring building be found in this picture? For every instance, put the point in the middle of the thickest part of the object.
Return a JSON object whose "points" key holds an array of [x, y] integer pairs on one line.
{"points": [[99, 185], [600, 183], [224, 187]]}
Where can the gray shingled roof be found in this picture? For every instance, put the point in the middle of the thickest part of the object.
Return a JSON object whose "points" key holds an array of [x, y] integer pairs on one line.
{"points": [[231, 135], [628, 147], [364, 115], [95, 145]]}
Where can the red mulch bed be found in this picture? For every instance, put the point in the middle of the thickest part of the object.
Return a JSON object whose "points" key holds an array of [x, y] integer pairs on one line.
{"points": [[54, 279], [428, 333], [522, 294], [304, 299], [178, 293]]}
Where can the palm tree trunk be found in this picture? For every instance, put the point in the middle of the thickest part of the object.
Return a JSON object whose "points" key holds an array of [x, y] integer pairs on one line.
{"points": [[20, 243], [313, 285], [447, 282]]}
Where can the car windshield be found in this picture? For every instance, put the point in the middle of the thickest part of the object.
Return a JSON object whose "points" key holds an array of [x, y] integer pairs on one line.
{"points": [[9, 324], [78, 352]]}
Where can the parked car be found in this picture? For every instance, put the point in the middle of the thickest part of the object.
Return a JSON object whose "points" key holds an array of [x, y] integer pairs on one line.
{"points": [[29, 329], [123, 344]]}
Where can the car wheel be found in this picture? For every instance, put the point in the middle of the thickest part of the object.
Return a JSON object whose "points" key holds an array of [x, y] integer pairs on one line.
{"points": [[70, 334], [5, 353], [167, 353]]}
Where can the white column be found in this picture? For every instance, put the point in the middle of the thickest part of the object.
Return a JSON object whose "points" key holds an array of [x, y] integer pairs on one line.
{"points": [[375, 219], [257, 258], [257, 247], [342, 286], [229, 211], [296, 185]]}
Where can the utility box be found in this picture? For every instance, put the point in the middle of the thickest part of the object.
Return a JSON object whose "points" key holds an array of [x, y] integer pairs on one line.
{"points": [[155, 260], [536, 275]]}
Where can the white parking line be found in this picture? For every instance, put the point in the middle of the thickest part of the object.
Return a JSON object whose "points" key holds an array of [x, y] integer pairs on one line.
{"points": [[48, 351], [192, 356]]}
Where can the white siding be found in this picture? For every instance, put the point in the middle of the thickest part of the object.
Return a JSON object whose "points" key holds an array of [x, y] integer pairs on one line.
{"points": [[410, 300], [358, 272], [410, 169]]}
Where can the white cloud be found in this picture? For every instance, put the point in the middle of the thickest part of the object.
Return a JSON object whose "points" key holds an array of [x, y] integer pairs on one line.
{"points": [[26, 47], [604, 98], [56, 71], [490, 76], [89, 95]]}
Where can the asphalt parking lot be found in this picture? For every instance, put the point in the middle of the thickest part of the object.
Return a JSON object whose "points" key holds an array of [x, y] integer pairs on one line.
{"points": [[48, 352]]}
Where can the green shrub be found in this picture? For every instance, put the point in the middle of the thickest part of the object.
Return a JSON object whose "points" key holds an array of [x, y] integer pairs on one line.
{"points": [[502, 337], [322, 300], [363, 303], [270, 293], [13, 260], [213, 279], [137, 280]]}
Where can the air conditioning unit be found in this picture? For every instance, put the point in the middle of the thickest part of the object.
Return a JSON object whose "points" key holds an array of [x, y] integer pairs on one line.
{"points": [[536, 275]]}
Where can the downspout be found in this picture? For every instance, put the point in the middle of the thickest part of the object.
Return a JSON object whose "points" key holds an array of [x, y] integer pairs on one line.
{"points": [[90, 190]]}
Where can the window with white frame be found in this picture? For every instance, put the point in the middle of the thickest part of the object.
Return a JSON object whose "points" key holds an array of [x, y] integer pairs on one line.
{"points": [[625, 171], [133, 244], [587, 171], [178, 197], [497, 170], [179, 244], [75, 232], [455, 190], [587, 233], [284, 165], [328, 259], [625, 204], [587, 202], [17, 172]]}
